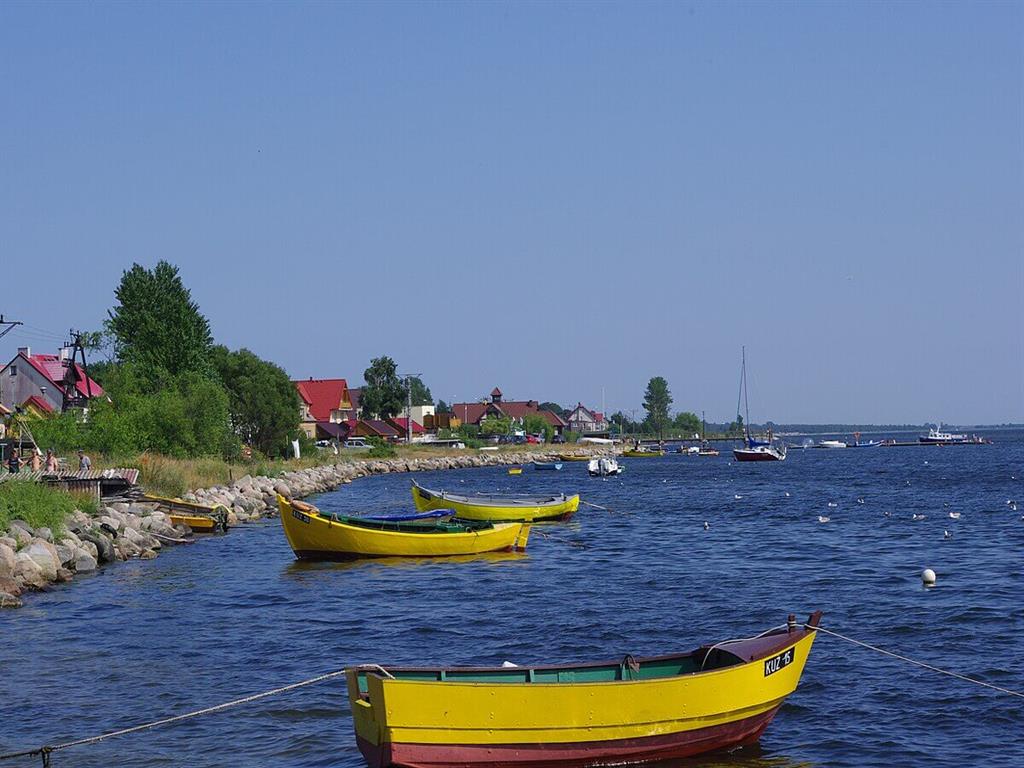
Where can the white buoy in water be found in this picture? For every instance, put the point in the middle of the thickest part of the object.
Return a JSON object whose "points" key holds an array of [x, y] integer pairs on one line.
{"points": [[928, 576]]}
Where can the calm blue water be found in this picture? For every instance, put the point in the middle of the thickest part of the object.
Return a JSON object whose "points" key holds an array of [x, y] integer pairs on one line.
{"points": [[236, 614]]}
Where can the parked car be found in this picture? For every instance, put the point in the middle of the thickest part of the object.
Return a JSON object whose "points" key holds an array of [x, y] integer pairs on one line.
{"points": [[323, 443], [558, 439], [357, 443], [533, 439]]}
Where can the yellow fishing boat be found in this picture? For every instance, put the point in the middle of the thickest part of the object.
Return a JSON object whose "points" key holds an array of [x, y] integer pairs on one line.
{"points": [[201, 518], [631, 710], [642, 453], [515, 470], [313, 534], [496, 508], [574, 457]]}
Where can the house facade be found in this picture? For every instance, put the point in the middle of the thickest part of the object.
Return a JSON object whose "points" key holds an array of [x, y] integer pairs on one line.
{"points": [[52, 383], [584, 420], [323, 401]]}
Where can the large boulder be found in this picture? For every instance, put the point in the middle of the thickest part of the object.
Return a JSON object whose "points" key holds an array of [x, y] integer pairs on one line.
{"points": [[8, 561], [45, 533], [66, 554], [22, 535], [283, 490], [45, 556], [28, 573], [104, 546], [84, 561], [7, 600]]}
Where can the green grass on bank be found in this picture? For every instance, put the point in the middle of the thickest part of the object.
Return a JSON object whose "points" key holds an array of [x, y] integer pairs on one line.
{"points": [[39, 506], [167, 476]]}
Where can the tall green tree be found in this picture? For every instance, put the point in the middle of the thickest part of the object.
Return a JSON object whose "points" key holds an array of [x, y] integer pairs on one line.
{"points": [[157, 327], [687, 422], [420, 392], [383, 395], [442, 407], [657, 401], [535, 424], [262, 400]]}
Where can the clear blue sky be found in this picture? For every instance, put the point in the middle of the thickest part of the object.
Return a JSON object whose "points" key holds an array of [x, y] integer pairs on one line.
{"points": [[553, 198]]}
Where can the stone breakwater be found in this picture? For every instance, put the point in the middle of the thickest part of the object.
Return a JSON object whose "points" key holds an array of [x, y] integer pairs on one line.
{"points": [[33, 559]]}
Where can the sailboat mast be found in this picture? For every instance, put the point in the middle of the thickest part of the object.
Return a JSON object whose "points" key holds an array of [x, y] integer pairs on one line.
{"points": [[746, 405]]}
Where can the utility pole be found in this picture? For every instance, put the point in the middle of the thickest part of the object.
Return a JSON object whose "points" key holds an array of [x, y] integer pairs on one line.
{"points": [[408, 408], [11, 325]]}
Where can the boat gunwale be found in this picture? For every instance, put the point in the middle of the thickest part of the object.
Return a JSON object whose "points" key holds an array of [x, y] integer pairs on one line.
{"points": [[496, 501], [791, 636]]}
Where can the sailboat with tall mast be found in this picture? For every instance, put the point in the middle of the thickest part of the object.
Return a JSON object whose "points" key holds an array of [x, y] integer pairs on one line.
{"points": [[754, 450]]}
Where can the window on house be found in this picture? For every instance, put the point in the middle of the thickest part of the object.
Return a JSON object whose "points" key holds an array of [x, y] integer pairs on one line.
{"points": [[14, 370]]}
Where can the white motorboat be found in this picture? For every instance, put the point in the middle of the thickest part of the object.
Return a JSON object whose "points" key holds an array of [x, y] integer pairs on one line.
{"points": [[603, 466]]}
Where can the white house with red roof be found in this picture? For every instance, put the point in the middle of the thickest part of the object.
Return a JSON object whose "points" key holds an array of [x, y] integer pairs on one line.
{"points": [[47, 383], [584, 420]]}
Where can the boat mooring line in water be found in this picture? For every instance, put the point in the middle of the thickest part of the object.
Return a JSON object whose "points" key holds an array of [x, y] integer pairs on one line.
{"points": [[922, 664], [44, 752]]}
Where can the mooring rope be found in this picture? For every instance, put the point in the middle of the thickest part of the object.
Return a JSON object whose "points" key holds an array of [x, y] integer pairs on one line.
{"points": [[921, 664], [45, 751]]}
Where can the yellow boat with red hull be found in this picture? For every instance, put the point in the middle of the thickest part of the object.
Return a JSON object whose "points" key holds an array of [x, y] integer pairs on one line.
{"points": [[629, 711]]}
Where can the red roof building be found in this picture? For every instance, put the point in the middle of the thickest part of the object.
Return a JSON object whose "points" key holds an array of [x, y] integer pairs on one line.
{"points": [[54, 379], [323, 400], [401, 424], [516, 410]]}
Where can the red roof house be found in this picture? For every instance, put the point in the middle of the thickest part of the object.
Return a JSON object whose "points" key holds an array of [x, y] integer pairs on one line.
{"points": [[323, 400], [401, 424], [54, 379], [474, 413]]}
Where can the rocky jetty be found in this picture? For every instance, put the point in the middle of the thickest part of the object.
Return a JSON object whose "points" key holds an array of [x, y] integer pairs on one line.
{"points": [[35, 559]]}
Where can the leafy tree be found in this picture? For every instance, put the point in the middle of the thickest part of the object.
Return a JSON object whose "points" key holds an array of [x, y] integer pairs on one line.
{"points": [[553, 407], [420, 392], [687, 422], [657, 400], [496, 425], [157, 327], [622, 423], [383, 395], [262, 401], [535, 424], [442, 407]]}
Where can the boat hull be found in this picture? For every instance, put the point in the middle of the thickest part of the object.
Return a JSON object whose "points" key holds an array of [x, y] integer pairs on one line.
{"points": [[577, 721], [742, 454], [558, 509], [313, 537], [571, 755]]}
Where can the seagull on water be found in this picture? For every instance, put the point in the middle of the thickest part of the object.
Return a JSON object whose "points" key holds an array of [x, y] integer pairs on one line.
{"points": [[707, 526], [947, 535], [823, 519], [787, 494], [887, 513], [954, 515], [737, 497], [917, 517], [832, 504], [860, 501]]}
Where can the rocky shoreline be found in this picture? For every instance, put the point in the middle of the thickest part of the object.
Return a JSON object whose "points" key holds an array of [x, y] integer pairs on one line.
{"points": [[34, 559]]}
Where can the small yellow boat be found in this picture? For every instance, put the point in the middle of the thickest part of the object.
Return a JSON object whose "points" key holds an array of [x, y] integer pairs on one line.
{"points": [[201, 518], [314, 535], [574, 457], [494, 508], [633, 453], [515, 470], [624, 711]]}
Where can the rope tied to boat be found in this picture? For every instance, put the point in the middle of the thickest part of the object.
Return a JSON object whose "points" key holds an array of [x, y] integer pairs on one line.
{"points": [[917, 663], [45, 751]]}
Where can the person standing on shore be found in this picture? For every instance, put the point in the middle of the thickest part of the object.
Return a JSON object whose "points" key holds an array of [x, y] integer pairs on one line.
{"points": [[37, 460], [14, 462], [84, 462], [51, 461]]}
